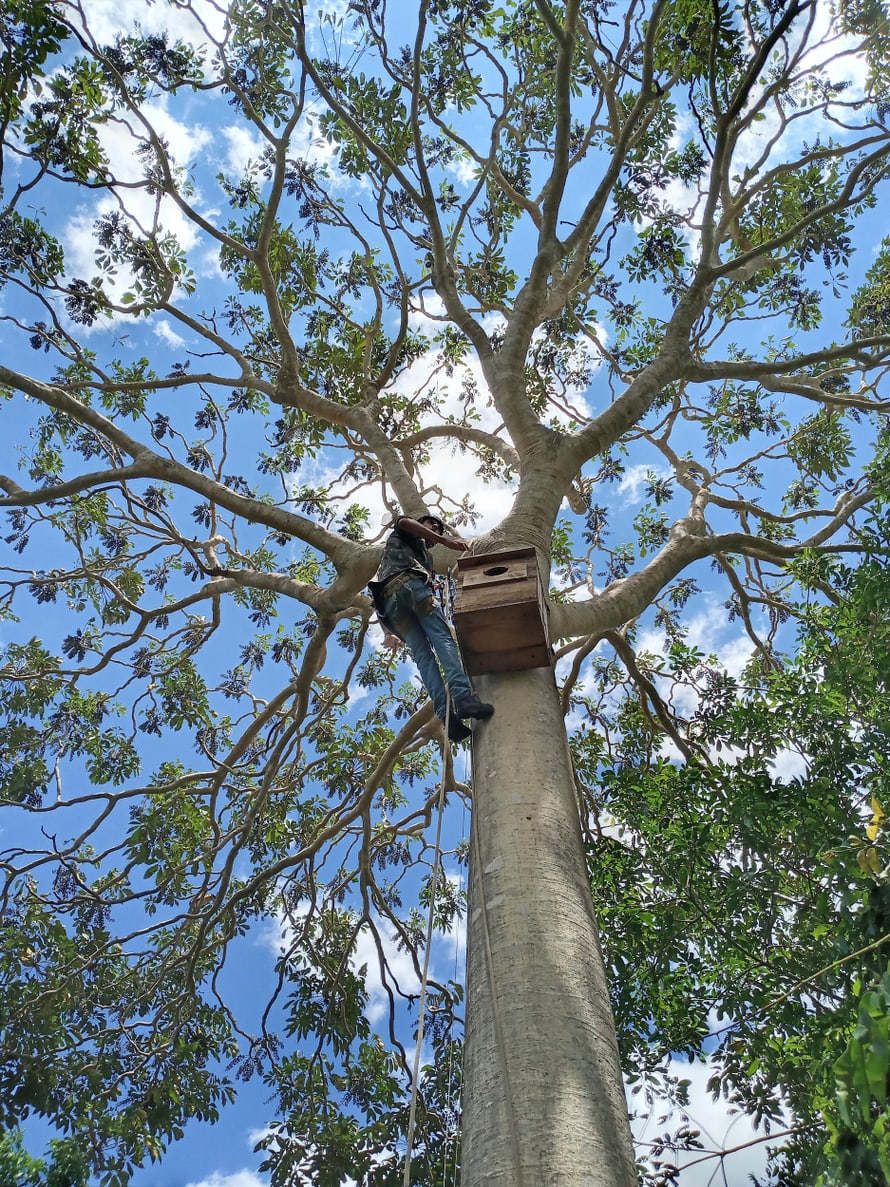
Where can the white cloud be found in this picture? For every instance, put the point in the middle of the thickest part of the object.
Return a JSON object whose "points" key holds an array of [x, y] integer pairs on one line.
{"points": [[634, 479], [772, 139], [455, 942], [107, 19], [789, 765], [836, 52], [399, 963], [712, 634], [448, 949], [207, 265], [242, 1178], [464, 169], [243, 146], [166, 333], [357, 692], [306, 144], [449, 473], [185, 143], [452, 470], [332, 27], [710, 631]]}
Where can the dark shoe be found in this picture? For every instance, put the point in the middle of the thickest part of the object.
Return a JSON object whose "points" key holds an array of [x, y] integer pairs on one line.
{"points": [[472, 707], [457, 731]]}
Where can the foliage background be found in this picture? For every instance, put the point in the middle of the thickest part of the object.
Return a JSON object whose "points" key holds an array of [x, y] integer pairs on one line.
{"points": [[630, 281]]}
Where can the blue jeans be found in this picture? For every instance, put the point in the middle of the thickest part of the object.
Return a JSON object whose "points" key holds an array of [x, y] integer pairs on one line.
{"points": [[429, 639]]}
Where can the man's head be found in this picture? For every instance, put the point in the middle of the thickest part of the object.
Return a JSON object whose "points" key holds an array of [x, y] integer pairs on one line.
{"points": [[434, 522]]}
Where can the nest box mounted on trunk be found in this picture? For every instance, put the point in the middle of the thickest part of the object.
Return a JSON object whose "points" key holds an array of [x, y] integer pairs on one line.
{"points": [[500, 614]]}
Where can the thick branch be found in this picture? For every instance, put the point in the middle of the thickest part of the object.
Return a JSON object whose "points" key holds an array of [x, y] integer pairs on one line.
{"points": [[340, 550], [466, 434], [626, 599], [17, 496]]}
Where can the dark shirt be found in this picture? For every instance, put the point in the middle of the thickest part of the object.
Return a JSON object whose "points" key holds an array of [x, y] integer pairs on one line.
{"points": [[403, 553]]}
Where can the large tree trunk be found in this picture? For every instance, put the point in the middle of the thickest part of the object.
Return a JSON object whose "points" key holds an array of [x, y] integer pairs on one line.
{"points": [[544, 1102]]}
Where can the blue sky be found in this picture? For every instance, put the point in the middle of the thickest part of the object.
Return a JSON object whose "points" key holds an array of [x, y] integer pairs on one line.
{"points": [[207, 136]]}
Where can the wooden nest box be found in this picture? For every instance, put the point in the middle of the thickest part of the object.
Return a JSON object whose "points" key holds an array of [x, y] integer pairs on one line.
{"points": [[500, 614]]}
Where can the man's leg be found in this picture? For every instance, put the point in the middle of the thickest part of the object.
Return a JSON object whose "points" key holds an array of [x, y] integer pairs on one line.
{"points": [[465, 701], [437, 631], [429, 638], [424, 658]]}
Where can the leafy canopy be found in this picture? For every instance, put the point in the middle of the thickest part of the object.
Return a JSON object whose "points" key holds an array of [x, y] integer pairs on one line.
{"points": [[596, 279]]}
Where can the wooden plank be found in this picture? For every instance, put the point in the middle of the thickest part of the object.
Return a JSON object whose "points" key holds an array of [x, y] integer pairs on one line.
{"points": [[498, 598], [505, 643], [471, 561], [512, 659], [495, 574]]}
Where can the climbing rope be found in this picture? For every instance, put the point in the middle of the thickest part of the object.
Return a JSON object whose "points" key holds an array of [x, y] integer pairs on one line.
{"points": [[421, 1012]]}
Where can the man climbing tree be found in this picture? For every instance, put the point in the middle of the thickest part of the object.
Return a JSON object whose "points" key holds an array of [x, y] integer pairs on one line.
{"points": [[407, 608], [602, 281]]}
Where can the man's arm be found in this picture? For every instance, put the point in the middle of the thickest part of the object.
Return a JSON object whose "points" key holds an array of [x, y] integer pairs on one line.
{"points": [[412, 528]]}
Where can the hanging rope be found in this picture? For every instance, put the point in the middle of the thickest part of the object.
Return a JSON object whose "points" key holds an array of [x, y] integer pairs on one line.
{"points": [[421, 1013]]}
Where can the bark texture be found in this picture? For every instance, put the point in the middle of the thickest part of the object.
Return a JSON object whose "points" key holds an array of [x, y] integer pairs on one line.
{"points": [[543, 1100]]}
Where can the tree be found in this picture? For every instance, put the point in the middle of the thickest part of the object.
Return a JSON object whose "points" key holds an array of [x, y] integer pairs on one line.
{"points": [[550, 237], [769, 890], [19, 1169]]}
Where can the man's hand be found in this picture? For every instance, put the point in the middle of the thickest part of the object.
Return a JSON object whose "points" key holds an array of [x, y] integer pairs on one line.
{"points": [[393, 642]]}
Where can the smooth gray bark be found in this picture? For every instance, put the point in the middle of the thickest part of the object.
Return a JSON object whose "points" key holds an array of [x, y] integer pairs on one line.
{"points": [[544, 1101]]}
